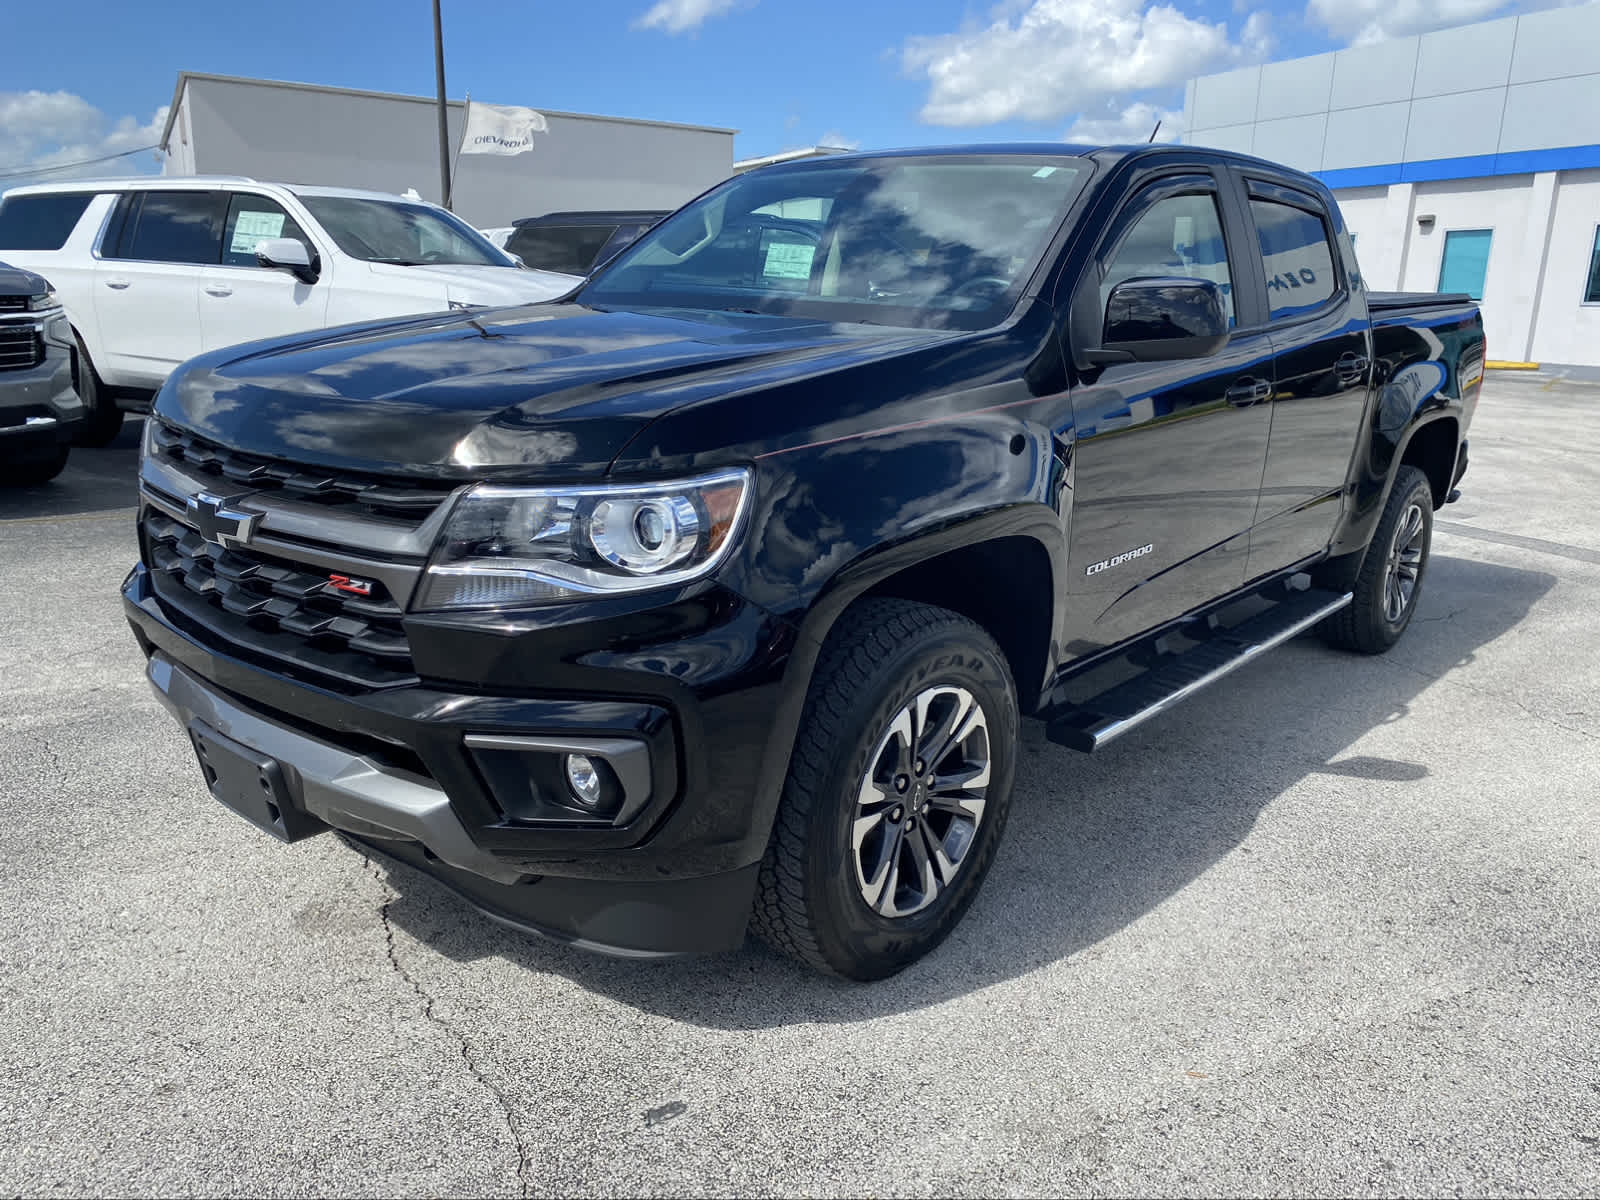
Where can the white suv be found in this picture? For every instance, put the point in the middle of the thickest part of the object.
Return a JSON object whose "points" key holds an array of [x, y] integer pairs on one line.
{"points": [[154, 271]]}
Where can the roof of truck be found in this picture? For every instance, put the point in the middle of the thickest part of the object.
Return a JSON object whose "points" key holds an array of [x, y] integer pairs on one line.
{"points": [[169, 183]]}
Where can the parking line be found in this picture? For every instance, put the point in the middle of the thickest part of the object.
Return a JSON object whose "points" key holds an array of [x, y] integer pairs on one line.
{"points": [[1560, 549], [88, 516]]}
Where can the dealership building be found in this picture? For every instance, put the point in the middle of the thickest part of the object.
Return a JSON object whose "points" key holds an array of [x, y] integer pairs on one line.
{"points": [[1466, 160], [340, 137]]}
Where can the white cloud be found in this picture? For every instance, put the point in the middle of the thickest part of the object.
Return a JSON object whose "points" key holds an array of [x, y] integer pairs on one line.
{"points": [[1046, 59], [1362, 21], [681, 16], [50, 129], [1132, 123], [834, 138], [1256, 37]]}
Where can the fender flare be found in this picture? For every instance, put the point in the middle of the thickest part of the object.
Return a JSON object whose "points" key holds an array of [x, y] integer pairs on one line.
{"points": [[1031, 520]]}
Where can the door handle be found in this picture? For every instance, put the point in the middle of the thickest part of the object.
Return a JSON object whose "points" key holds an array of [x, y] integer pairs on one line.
{"points": [[218, 289], [1351, 366], [118, 284], [1246, 392]]}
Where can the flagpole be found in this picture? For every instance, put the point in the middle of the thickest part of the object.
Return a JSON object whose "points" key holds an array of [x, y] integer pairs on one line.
{"points": [[466, 119], [444, 118]]}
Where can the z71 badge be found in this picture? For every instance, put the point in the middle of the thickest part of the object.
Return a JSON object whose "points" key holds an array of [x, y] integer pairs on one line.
{"points": [[1117, 560]]}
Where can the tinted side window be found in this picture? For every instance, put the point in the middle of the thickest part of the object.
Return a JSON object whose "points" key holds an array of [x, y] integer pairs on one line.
{"points": [[569, 248], [253, 219], [1176, 236], [40, 222], [175, 227], [1297, 255]]}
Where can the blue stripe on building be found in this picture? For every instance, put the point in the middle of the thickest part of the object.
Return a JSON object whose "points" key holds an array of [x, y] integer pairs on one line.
{"points": [[1476, 166]]}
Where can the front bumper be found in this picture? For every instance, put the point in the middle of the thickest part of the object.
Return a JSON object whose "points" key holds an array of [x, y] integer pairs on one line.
{"points": [[39, 407], [395, 770]]}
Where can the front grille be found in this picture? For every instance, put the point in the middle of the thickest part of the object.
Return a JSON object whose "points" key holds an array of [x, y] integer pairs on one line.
{"points": [[372, 494], [275, 608], [13, 304], [20, 348]]}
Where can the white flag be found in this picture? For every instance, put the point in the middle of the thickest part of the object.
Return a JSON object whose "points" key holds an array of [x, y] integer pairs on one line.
{"points": [[500, 129]]}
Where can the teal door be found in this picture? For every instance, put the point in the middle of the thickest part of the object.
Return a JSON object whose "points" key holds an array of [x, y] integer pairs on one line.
{"points": [[1466, 261]]}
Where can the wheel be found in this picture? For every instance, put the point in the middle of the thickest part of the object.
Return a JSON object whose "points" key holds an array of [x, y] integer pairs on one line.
{"points": [[1390, 580], [897, 793], [102, 418], [36, 470]]}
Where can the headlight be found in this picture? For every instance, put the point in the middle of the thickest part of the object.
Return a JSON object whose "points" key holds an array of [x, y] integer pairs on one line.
{"points": [[43, 303], [514, 545]]}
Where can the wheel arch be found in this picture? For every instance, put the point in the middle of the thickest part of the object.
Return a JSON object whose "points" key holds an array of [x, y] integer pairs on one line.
{"points": [[998, 564], [1432, 447]]}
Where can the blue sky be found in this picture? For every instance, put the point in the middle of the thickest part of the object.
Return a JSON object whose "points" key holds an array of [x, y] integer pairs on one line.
{"points": [[786, 73]]}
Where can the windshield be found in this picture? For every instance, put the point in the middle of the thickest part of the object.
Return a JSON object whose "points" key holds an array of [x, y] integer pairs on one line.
{"points": [[942, 243], [392, 231]]}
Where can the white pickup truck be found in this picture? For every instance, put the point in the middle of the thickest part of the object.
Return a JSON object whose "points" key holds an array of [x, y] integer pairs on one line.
{"points": [[154, 271]]}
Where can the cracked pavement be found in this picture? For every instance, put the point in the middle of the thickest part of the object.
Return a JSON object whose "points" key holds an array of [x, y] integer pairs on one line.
{"points": [[1329, 928]]}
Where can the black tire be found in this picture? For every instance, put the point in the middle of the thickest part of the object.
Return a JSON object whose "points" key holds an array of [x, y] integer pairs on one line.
{"points": [[102, 418], [881, 658], [36, 470], [1371, 623]]}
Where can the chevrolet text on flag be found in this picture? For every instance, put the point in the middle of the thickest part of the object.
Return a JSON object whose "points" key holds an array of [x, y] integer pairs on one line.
{"points": [[500, 129]]}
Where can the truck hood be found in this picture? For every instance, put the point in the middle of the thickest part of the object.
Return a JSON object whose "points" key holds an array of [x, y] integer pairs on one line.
{"points": [[466, 284], [14, 281], [542, 390]]}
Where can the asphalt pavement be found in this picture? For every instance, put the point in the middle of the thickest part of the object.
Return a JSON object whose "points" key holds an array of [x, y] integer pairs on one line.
{"points": [[1329, 928]]}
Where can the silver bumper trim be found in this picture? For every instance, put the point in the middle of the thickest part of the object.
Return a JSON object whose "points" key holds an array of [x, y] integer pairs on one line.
{"points": [[346, 790]]}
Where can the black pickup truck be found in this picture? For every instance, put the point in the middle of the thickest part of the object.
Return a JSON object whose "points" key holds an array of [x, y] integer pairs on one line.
{"points": [[712, 594]]}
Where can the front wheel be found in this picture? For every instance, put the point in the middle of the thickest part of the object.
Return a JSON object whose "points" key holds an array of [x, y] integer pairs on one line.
{"points": [[1389, 584], [897, 793], [41, 469]]}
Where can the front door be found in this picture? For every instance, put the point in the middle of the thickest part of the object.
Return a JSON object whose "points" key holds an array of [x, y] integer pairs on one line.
{"points": [[1168, 455], [240, 300]]}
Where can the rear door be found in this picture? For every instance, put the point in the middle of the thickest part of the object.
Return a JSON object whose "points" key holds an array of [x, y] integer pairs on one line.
{"points": [[1167, 455], [1322, 348], [147, 282], [240, 300]]}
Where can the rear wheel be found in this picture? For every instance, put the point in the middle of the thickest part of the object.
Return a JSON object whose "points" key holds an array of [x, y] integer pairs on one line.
{"points": [[102, 418], [36, 470], [1389, 584], [897, 794]]}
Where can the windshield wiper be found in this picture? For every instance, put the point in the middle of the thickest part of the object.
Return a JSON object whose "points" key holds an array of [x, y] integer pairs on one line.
{"points": [[400, 262]]}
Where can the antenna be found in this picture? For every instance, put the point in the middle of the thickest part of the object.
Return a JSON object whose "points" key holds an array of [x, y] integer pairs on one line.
{"points": [[1153, 132]]}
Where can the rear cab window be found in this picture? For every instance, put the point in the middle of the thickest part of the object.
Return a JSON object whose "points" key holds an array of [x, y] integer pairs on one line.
{"points": [[41, 222], [1296, 247]]}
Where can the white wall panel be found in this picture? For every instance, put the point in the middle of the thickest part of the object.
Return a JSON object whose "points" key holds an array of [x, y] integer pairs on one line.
{"points": [[1568, 330], [1358, 137], [1456, 126], [1374, 74]]}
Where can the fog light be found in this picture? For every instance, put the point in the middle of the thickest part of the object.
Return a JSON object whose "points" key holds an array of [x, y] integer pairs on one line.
{"points": [[584, 780]]}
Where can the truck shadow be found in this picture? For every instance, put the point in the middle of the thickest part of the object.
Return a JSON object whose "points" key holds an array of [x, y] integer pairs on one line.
{"points": [[1094, 842], [95, 480]]}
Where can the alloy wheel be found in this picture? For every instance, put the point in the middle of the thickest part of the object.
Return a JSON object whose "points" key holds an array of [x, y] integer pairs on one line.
{"points": [[1404, 567], [920, 804]]}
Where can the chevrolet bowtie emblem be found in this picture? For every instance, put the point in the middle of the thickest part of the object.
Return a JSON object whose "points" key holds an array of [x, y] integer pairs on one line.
{"points": [[216, 521]]}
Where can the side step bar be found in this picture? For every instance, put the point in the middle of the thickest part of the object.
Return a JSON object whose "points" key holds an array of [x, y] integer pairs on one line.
{"points": [[1176, 677]]}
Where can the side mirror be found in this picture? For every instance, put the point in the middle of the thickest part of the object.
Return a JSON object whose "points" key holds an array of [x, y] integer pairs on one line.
{"points": [[1159, 319], [288, 254]]}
